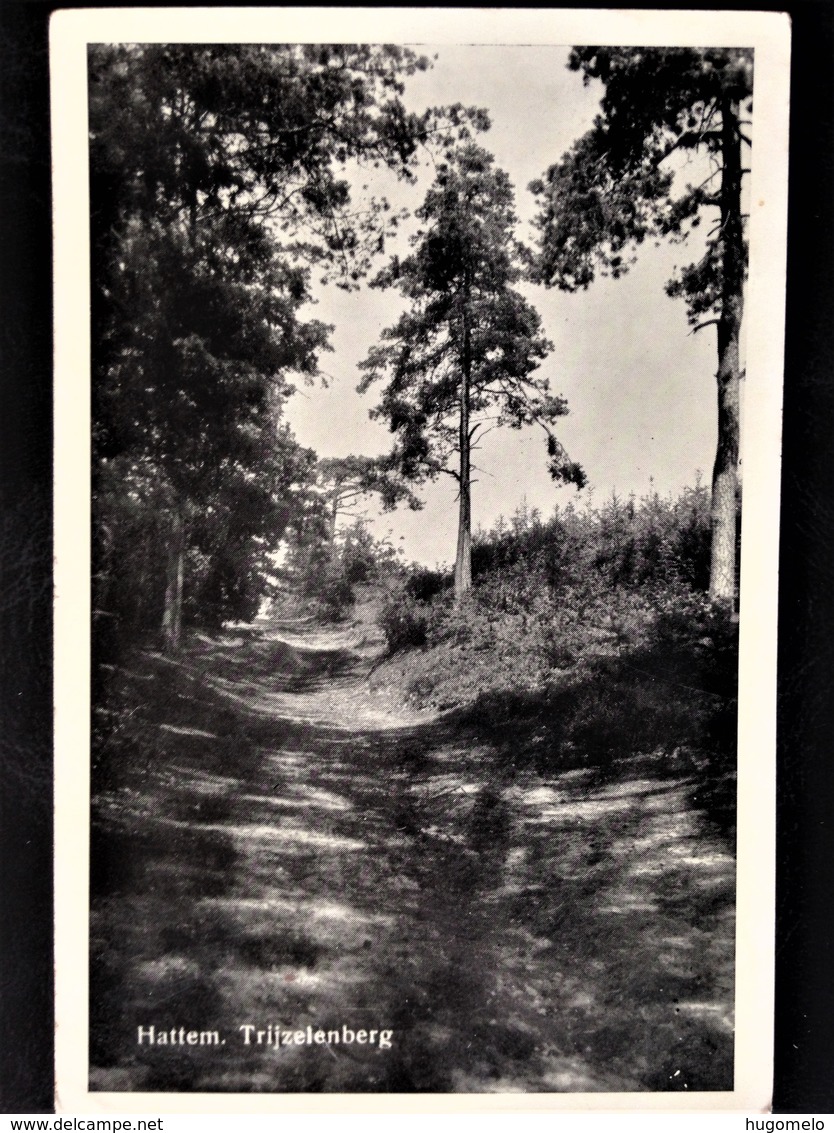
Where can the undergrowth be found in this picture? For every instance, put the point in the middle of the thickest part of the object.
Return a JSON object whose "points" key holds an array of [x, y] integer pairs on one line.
{"points": [[593, 627]]}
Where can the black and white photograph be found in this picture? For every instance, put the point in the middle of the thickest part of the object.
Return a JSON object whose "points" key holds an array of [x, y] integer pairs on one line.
{"points": [[416, 561]]}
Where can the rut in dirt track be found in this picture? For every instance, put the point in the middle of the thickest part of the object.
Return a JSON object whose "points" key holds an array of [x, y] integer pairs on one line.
{"points": [[306, 853]]}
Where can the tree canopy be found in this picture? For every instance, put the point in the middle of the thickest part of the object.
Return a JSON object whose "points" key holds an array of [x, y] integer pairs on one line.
{"points": [[220, 176]]}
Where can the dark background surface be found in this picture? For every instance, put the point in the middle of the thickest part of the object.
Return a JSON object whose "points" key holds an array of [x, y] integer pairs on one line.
{"points": [[805, 778], [805, 872], [25, 562]]}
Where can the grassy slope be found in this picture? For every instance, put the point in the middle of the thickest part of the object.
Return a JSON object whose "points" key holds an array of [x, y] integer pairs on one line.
{"points": [[276, 840]]}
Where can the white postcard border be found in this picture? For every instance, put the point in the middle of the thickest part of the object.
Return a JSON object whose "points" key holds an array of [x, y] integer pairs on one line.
{"points": [[768, 33]]}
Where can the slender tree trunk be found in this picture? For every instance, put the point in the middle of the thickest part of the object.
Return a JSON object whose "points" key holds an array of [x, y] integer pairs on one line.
{"points": [[331, 530], [175, 567], [172, 614], [147, 577], [463, 560], [722, 585], [190, 201]]}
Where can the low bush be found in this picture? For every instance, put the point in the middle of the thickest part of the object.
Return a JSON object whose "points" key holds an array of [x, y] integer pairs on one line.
{"points": [[333, 594], [404, 621], [424, 584]]}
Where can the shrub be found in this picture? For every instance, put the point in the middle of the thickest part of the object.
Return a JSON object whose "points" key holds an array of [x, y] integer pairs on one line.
{"points": [[553, 599], [425, 584], [364, 558], [404, 621], [333, 594]]}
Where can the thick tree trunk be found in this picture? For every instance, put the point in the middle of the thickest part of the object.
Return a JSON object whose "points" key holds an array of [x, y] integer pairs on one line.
{"points": [[463, 559], [172, 614], [722, 585]]}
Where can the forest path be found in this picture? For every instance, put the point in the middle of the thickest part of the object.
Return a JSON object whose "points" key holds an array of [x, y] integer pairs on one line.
{"points": [[304, 853]]}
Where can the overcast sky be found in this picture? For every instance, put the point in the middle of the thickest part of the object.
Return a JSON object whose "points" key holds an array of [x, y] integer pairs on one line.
{"points": [[640, 387]]}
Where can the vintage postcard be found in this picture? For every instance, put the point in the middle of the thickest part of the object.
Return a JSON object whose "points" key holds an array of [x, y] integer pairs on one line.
{"points": [[415, 641]]}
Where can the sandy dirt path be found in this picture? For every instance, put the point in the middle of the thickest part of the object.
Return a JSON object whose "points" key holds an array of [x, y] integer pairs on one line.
{"points": [[303, 857]]}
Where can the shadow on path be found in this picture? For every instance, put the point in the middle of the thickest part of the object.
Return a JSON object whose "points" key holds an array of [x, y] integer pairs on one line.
{"points": [[292, 851]]}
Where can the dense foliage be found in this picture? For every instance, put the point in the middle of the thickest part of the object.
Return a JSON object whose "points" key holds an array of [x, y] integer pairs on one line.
{"points": [[218, 179], [595, 623], [327, 545], [325, 575], [621, 547]]}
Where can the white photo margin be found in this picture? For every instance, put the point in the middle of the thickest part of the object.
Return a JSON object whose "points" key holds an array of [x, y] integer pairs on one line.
{"points": [[769, 35]]}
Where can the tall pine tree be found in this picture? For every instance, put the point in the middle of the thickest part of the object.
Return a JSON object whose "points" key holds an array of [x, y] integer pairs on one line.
{"points": [[617, 187], [467, 350]]}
